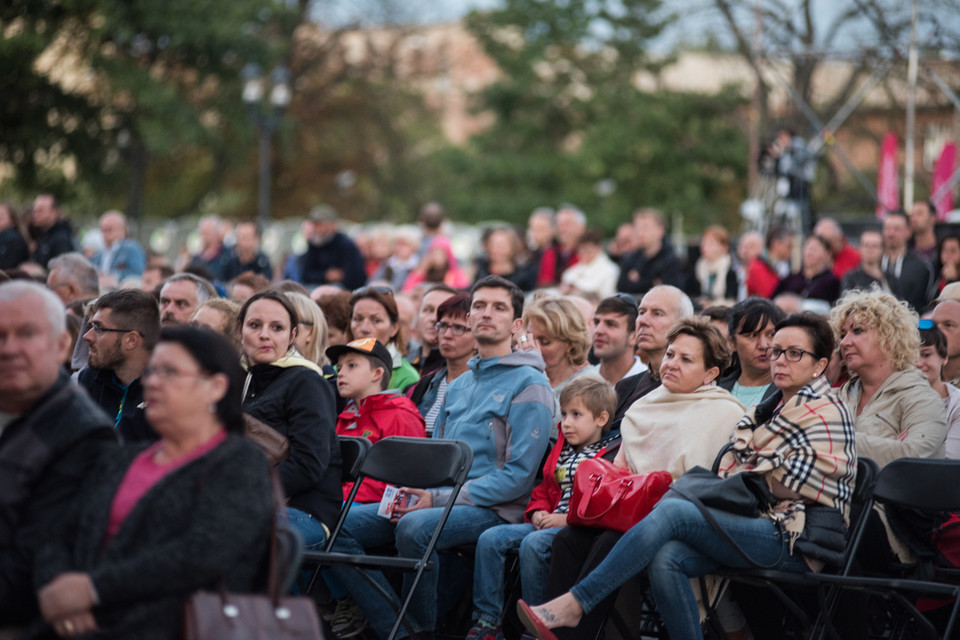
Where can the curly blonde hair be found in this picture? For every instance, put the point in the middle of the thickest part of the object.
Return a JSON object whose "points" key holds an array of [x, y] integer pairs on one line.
{"points": [[561, 320], [894, 321]]}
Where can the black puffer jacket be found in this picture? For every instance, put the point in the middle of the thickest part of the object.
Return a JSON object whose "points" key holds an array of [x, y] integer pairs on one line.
{"points": [[53, 242], [299, 403]]}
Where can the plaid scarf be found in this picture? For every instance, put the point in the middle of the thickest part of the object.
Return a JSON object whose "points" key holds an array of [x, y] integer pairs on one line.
{"points": [[807, 445]]}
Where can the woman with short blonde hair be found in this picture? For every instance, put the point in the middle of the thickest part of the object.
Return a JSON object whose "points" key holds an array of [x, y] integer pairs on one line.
{"points": [[556, 328]]}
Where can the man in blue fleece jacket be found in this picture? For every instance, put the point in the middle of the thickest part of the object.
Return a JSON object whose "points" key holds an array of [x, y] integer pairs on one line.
{"points": [[503, 407]]}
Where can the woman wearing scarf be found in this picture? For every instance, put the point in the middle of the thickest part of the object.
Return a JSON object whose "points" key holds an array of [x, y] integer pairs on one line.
{"points": [[288, 393]]}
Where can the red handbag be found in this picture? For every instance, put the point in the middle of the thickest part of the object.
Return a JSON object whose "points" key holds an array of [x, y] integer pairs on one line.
{"points": [[610, 497]]}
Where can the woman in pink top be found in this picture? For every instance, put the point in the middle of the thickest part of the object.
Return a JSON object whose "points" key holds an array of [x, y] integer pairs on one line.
{"points": [[151, 526]]}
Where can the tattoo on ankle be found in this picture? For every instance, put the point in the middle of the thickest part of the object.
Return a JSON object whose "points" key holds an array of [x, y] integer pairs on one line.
{"points": [[547, 615]]}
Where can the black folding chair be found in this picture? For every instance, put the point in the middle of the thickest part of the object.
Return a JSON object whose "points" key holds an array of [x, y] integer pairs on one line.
{"points": [[421, 463], [930, 486]]}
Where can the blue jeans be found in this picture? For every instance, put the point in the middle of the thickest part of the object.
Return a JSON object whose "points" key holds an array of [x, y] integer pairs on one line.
{"points": [[364, 529], [535, 547], [310, 529], [675, 543]]}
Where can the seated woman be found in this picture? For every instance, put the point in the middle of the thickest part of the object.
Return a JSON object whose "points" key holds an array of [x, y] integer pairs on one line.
{"points": [[801, 440], [374, 314], [556, 329], [816, 279], [933, 355], [678, 425], [896, 412], [287, 392], [192, 511]]}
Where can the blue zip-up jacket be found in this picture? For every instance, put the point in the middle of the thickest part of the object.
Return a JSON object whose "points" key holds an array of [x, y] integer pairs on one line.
{"points": [[503, 408]]}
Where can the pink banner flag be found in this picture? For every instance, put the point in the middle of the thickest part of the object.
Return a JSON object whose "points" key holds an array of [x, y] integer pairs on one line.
{"points": [[888, 187], [941, 174]]}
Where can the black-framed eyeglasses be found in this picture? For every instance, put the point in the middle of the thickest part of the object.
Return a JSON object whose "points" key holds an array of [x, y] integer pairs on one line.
{"points": [[791, 354], [629, 299], [456, 329], [99, 329], [382, 289]]}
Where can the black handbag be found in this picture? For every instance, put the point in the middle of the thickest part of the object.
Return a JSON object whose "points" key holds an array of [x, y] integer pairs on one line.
{"points": [[744, 494], [824, 535]]}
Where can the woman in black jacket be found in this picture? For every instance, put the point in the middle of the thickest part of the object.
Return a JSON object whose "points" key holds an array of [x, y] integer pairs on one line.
{"points": [[13, 247], [191, 511], [287, 392]]}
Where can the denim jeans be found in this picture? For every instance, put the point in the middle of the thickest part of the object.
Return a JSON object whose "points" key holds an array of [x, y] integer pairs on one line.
{"points": [[310, 529], [491, 560], [674, 543], [364, 529]]}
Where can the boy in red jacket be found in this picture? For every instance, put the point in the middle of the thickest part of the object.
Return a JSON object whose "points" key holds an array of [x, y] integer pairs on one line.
{"points": [[587, 405], [363, 375]]}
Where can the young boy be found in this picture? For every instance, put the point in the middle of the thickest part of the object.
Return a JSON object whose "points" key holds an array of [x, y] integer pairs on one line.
{"points": [[587, 405], [363, 375]]}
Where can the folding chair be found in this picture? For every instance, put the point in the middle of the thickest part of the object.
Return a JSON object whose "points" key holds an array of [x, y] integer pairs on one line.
{"points": [[928, 486], [413, 462]]}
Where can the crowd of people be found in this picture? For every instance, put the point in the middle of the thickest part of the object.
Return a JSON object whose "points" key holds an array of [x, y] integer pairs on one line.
{"points": [[138, 398]]}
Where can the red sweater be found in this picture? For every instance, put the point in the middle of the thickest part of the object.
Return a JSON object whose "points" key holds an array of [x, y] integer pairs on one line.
{"points": [[378, 416], [546, 495]]}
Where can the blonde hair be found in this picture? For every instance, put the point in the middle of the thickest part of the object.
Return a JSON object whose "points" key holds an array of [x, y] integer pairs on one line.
{"points": [[596, 394], [894, 321], [310, 313], [561, 320]]}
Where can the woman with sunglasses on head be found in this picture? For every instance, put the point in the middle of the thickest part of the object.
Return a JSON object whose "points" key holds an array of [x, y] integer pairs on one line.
{"points": [[555, 327], [374, 314], [288, 393], [155, 523], [800, 440], [933, 355]]}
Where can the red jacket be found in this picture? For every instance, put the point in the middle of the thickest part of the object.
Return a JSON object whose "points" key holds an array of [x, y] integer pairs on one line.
{"points": [[378, 416], [552, 265], [546, 495], [847, 259], [762, 279]]}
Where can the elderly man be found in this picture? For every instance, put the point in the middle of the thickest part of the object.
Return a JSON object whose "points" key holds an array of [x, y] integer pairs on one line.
{"points": [[122, 257], [213, 253], [72, 277], [331, 257], [180, 296], [53, 235], [124, 327], [52, 435], [947, 316], [570, 224]]}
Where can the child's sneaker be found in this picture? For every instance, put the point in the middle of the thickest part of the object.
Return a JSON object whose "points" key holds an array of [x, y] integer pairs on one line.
{"points": [[484, 631]]}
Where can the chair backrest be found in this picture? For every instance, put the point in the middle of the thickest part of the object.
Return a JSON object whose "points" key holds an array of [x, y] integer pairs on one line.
{"points": [[928, 485], [422, 463], [867, 471], [352, 453]]}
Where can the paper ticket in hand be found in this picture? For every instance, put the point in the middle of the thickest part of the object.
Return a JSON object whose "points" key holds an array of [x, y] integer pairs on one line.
{"points": [[394, 498]]}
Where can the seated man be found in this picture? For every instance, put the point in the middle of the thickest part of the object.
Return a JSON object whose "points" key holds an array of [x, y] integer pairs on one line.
{"points": [[503, 407], [52, 435]]}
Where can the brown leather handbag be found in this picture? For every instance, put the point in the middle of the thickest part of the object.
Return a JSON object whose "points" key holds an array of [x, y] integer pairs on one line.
{"points": [[273, 443]]}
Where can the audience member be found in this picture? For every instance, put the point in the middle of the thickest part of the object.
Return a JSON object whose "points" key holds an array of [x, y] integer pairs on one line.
{"points": [[192, 512], [948, 263], [72, 277], [594, 275], [213, 253], [124, 327], [240, 288], [336, 310], [220, 315], [561, 254], [715, 279], [896, 412], [288, 393], [654, 262], [869, 274], [764, 274], [431, 219], [624, 242], [437, 266], [923, 222], [814, 280], [180, 296], [425, 354], [947, 316], [933, 355], [373, 412], [910, 277], [403, 258], [331, 257], [540, 233], [516, 400], [52, 234], [719, 317], [845, 257], [751, 329], [246, 255], [503, 255], [374, 314], [154, 276], [311, 340], [586, 406], [456, 345], [555, 328], [614, 338], [121, 257], [749, 249], [52, 435], [13, 246]]}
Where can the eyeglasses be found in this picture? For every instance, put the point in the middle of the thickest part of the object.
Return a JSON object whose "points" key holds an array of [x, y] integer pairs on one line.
{"points": [[792, 355], [169, 373], [456, 329], [629, 299], [382, 289], [99, 329], [926, 325]]}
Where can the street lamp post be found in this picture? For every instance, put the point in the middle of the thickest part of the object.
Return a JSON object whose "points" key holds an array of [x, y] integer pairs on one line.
{"points": [[265, 115]]}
